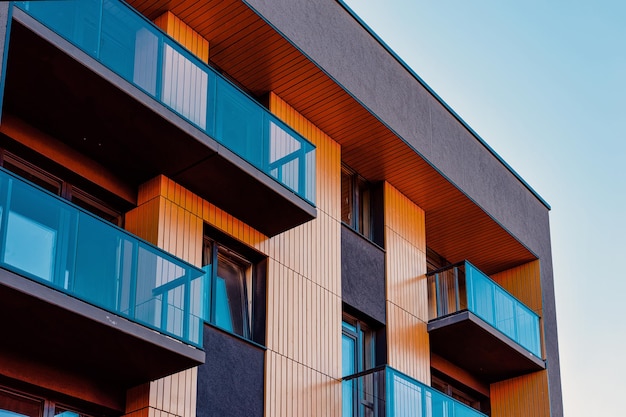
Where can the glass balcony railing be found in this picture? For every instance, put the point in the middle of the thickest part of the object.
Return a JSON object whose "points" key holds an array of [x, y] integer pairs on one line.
{"points": [[53, 242], [125, 42], [385, 392], [463, 287]]}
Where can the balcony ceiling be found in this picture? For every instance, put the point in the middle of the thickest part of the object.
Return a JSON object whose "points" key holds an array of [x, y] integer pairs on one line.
{"points": [[256, 56]]}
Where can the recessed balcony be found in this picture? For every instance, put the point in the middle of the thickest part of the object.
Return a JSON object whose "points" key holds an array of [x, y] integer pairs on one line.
{"points": [[103, 79], [86, 301], [385, 392], [477, 325]]}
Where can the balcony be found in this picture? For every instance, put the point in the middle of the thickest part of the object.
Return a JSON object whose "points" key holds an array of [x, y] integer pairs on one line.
{"points": [[82, 297], [479, 326], [385, 392], [112, 85]]}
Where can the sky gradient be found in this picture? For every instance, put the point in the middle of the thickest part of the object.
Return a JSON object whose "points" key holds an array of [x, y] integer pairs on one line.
{"points": [[544, 84]]}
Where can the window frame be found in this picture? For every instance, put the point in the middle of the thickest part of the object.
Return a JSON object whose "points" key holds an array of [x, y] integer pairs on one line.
{"points": [[47, 406], [218, 245], [359, 201], [59, 185]]}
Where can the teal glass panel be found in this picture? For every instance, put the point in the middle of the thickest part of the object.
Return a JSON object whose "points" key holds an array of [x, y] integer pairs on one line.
{"points": [[482, 295], [528, 329], [223, 317], [407, 397], [128, 44], [129, 47], [410, 398], [78, 21], [184, 86], [97, 273], [239, 123], [504, 308], [348, 367], [497, 307], [387, 392], [58, 244], [36, 233]]}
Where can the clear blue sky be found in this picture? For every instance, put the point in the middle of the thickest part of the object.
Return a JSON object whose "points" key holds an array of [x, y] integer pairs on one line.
{"points": [[544, 83]]}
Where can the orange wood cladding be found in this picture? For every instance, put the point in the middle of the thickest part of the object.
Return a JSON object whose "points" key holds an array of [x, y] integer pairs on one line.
{"points": [[184, 34], [303, 360], [328, 155], [524, 396], [408, 347], [298, 390], [407, 297], [174, 395], [524, 282]]}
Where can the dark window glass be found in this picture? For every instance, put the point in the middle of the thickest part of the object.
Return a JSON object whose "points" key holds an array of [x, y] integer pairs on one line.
{"points": [[61, 187], [32, 173], [229, 288], [13, 405], [461, 393], [356, 202]]}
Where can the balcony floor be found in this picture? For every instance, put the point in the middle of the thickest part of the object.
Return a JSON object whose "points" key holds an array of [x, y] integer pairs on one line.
{"points": [[467, 341]]}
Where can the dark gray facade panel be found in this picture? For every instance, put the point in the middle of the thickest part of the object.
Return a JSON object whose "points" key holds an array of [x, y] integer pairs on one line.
{"points": [[231, 381], [329, 36], [362, 275]]}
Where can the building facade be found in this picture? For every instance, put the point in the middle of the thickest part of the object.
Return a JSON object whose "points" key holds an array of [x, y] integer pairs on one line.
{"points": [[254, 208]]}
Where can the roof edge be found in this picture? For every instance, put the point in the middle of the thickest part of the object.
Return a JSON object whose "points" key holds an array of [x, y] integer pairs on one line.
{"points": [[356, 17]]}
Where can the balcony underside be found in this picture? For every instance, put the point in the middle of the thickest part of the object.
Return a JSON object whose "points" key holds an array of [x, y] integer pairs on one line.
{"points": [[467, 341], [61, 91], [60, 343]]}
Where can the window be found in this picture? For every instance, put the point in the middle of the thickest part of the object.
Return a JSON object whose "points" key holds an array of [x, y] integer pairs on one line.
{"points": [[13, 404], [358, 354], [109, 210], [357, 342], [356, 202], [235, 287], [460, 393]]}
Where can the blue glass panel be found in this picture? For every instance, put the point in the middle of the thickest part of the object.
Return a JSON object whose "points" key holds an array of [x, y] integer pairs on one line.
{"points": [[223, 317], [407, 400], [239, 123], [504, 312], [129, 46], [500, 309], [184, 86], [78, 21], [98, 273], [50, 240], [348, 361], [482, 295]]}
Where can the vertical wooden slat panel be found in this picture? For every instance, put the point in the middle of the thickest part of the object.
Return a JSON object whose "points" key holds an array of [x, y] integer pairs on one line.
{"points": [[304, 292], [524, 396], [524, 282], [184, 34], [407, 297]]}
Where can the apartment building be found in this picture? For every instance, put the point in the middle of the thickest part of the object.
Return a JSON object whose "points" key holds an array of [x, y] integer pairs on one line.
{"points": [[254, 208]]}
